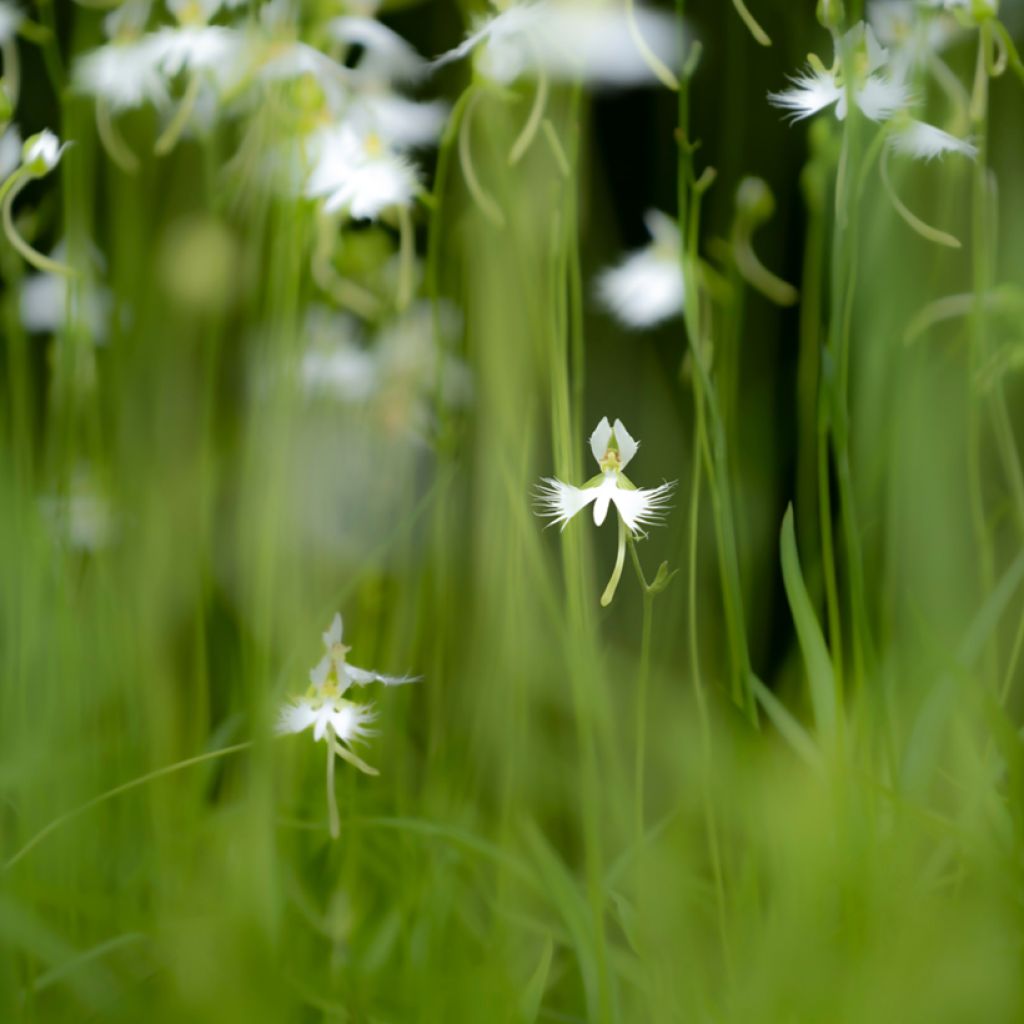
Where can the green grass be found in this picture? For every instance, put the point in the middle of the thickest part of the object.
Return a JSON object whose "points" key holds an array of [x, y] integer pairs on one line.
{"points": [[785, 788]]}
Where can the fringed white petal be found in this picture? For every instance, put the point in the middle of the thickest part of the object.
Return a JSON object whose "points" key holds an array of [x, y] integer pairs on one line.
{"points": [[812, 91], [643, 507], [295, 717], [560, 502], [926, 142]]}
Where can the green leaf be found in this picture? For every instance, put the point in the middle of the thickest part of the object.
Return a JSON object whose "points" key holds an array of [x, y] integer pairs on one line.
{"points": [[533, 996], [820, 678]]}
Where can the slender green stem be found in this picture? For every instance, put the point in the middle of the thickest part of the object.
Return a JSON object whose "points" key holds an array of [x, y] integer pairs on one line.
{"points": [[693, 630], [689, 195], [332, 804], [10, 191], [159, 773], [642, 687]]}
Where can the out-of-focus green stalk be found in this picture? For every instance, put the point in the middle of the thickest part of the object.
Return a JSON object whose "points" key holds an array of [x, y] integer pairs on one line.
{"points": [[689, 195]]}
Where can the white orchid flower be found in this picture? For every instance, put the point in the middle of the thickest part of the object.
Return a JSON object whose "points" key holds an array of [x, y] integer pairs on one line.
{"points": [[877, 91], [880, 91], [334, 719], [613, 449], [359, 174], [598, 43], [646, 287]]}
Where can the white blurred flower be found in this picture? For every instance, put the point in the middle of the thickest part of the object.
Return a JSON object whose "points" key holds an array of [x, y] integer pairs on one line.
{"points": [[124, 74], [346, 675], [878, 91], [213, 49], [911, 36], [359, 174], [334, 719], [647, 286], [403, 123], [613, 449], [83, 519], [43, 302], [569, 39]]}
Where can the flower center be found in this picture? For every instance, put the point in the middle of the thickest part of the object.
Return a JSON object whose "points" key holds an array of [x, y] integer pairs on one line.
{"points": [[612, 461], [192, 14], [374, 145]]}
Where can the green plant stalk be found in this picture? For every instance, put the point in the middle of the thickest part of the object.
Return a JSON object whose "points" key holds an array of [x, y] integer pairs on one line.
{"points": [[693, 631], [845, 249], [585, 694], [809, 361], [983, 272], [718, 473]]}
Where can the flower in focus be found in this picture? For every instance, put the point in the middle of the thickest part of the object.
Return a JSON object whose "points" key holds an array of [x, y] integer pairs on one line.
{"points": [[613, 449], [334, 719], [647, 286]]}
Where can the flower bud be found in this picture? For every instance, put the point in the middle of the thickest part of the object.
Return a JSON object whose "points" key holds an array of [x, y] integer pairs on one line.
{"points": [[41, 153], [831, 14]]}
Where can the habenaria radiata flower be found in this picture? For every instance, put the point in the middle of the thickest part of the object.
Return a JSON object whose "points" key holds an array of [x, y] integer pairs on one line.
{"points": [[613, 449], [912, 36], [358, 174], [877, 92], [596, 42], [880, 91], [647, 286], [334, 719]]}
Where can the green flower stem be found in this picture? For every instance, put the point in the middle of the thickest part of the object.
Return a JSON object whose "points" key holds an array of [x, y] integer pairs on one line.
{"points": [[9, 191], [689, 199], [172, 133], [710, 817]]}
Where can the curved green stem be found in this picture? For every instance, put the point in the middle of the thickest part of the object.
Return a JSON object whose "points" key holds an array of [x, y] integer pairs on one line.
{"points": [[533, 122], [651, 59], [172, 133], [487, 206], [159, 773], [113, 141], [620, 560], [9, 191]]}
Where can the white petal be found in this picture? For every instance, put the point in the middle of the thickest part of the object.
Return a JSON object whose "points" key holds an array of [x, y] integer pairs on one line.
{"points": [[334, 632], [295, 717], [350, 721], [926, 142], [643, 507], [363, 676], [645, 289], [627, 446], [318, 674], [880, 98], [605, 495], [600, 439], [560, 502], [812, 91], [386, 54]]}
